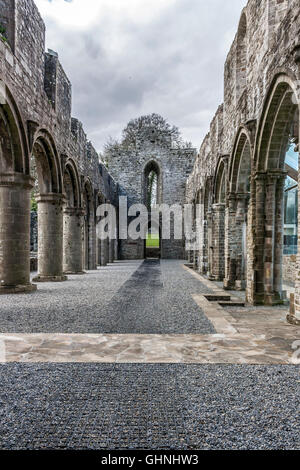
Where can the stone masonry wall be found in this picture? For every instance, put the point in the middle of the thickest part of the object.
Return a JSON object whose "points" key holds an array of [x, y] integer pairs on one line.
{"points": [[42, 91], [174, 165], [264, 54], [289, 268]]}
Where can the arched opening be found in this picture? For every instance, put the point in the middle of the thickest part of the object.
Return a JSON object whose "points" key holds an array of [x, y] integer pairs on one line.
{"points": [[15, 187], [198, 214], [217, 247], [152, 190], [207, 229], [237, 213], [48, 199], [73, 221], [276, 194], [89, 227]]}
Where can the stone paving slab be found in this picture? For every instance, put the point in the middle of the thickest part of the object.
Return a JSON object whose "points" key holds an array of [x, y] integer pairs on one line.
{"points": [[187, 349]]}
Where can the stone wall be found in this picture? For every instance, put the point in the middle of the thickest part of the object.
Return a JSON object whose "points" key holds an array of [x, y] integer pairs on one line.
{"points": [[289, 268], [173, 164], [250, 131], [42, 92]]}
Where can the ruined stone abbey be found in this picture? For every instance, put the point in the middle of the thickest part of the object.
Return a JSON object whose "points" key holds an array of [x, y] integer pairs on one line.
{"points": [[243, 182]]}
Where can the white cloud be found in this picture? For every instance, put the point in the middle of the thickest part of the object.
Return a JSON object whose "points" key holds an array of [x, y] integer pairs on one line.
{"points": [[126, 58]]}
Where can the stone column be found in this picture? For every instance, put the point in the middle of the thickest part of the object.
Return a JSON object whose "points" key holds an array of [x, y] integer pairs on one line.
{"points": [[50, 246], [240, 281], [218, 230], [106, 251], [210, 248], [103, 256], [111, 251], [15, 233], [92, 237], [269, 238], [294, 316], [230, 243], [72, 241], [279, 228], [98, 251], [250, 277], [116, 250], [258, 293]]}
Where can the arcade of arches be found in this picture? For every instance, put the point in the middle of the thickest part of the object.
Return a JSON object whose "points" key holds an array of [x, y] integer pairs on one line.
{"points": [[244, 179]]}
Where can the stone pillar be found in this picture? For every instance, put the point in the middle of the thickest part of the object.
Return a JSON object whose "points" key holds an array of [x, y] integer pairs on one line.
{"points": [[116, 250], [279, 228], [15, 233], [250, 276], [269, 239], [92, 237], [240, 281], [258, 291], [103, 254], [111, 251], [210, 248], [106, 250], [98, 251], [72, 241], [294, 316], [218, 222], [230, 243], [50, 245]]}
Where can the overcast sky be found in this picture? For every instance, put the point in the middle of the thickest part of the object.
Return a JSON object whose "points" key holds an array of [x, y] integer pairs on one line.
{"points": [[126, 58]]}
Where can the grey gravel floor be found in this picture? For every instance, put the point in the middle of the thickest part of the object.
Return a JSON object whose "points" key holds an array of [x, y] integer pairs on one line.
{"points": [[126, 297], [90, 406]]}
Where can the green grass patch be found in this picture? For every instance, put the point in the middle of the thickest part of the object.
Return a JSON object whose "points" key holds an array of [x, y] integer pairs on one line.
{"points": [[152, 241]]}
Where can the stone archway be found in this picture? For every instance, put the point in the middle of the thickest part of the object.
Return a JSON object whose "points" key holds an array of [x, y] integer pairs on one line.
{"points": [[236, 218], [73, 221], [278, 126], [15, 188], [217, 223], [152, 195], [50, 201]]}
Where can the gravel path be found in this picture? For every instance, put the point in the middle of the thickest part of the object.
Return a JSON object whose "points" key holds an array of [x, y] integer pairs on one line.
{"points": [[126, 297], [130, 406]]}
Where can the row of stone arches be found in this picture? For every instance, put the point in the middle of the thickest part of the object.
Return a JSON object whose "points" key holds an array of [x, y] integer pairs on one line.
{"points": [[67, 241], [242, 205]]}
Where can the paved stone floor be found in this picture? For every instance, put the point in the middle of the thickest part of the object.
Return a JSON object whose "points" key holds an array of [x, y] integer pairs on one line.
{"points": [[93, 406], [135, 356]]}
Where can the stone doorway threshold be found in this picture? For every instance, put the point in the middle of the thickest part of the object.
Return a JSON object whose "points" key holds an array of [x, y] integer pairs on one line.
{"points": [[244, 335]]}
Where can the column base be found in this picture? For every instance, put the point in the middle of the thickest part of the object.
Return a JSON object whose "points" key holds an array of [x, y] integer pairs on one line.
{"points": [[4, 290], [73, 273], [293, 320], [240, 285], [50, 279], [228, 285]]}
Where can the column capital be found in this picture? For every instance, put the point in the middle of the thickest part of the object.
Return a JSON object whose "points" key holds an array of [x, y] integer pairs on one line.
{"points": [[260, 176], [76, 211], [219, 207], [16, 179], [276, 173], [54, 198], [242, 196]]}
